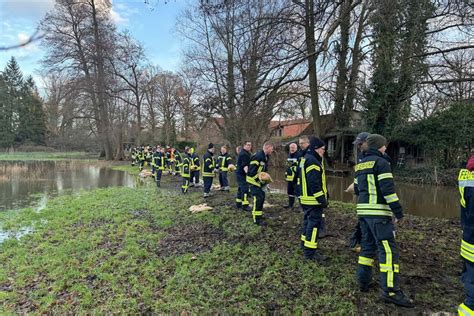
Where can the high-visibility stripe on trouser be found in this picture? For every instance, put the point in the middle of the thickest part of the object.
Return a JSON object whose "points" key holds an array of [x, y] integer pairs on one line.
{"points": [[255, 212], [388, 267], [463, 310], [366, 261], [245, 200], [185, 185], [313, 243]]}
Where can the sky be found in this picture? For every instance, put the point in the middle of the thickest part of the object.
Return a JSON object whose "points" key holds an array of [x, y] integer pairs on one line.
{"points": [[151, 23]]}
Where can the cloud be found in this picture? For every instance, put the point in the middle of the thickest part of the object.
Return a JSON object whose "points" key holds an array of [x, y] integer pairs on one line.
{"points": [[117, 18]]}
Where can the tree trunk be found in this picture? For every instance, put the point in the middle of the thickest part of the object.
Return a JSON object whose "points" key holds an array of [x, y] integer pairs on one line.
{"points": [[311, 51]]}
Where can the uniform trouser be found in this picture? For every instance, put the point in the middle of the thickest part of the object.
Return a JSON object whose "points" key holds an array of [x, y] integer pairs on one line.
{"points": [[194, 177], [312, 220], [142, 163], [158, 176], [207, 184], [223, 179], [153, 171], [291, 186], [185, 185], [467, 279], [258, 200], [378, 238], [177, 168], [242, 192]]}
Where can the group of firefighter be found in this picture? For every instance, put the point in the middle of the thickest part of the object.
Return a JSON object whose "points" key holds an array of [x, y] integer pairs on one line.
{"points": [[378, 206]]}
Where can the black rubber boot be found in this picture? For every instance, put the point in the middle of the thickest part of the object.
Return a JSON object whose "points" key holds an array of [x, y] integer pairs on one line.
{"points": [[398, 298]]}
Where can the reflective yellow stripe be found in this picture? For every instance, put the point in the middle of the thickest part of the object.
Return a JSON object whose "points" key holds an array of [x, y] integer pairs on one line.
{"points": [[356, 181], [388, 263], [373, 206], [373, 213], [387, 175], [245, 200], [467, 246], [391, 198], [313, 167], [238, 200], [323, 176], [254, 162], [366, 261], [303, 237], [318, 194], [256, 212], [464, 310], [372, 189], [252, 181], [313, 244], [467, 255]]}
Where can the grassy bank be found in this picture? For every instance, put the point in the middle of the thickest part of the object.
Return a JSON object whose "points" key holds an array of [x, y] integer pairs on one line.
{"points": [[16, 156], [141, 251]]}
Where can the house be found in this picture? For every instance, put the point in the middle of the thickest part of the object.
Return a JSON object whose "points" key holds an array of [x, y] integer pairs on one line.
{"points": [[288, 128]]}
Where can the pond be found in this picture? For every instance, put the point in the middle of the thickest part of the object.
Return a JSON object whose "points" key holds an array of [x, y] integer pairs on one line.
{"points": [[32, 182]]}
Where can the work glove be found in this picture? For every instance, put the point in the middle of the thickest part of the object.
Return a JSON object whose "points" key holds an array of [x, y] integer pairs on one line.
{"points": [[355, 238]]}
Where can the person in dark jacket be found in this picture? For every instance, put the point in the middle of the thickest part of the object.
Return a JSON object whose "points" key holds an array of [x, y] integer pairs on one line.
{"points": [[312, 197], [158, 164], [290, 174], [194, 167], [209, 164], [258, 164], [223, 162], [377, 202], [243, 162], [186, 170], [303, 142], [466, 190]]}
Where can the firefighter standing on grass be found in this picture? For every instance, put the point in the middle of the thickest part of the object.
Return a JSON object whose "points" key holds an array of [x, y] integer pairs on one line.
{"points": [[466, 189], [209, 164], [312, 197], [243, 162], [195, 166], [290, 174], [186, 170], [376, 203], [223, 162], [158, 164], [258, 164]]}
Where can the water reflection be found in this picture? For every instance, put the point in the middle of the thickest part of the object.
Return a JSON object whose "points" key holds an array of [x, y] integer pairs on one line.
{"points": [[22, 183]]}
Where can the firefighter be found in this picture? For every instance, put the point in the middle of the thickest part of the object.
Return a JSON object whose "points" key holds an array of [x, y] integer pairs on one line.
{"points": [[208, 167], [258, 164], [361, 144], [158, 164], [312, 197], [290, 174], [178, 161], [376, 204], [141, 158], [186, 170], [243, 161], [134, 156], [466, 189], [148, 155], [223, 162], [195, 166]]}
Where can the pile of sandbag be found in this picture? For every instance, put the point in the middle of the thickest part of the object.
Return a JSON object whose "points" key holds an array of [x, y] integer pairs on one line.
{"points": [[145, 173]]}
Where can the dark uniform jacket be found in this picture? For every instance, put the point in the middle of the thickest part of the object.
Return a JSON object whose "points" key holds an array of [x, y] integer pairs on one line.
{"points": [[291, 166], [158, 161], [242, 161], [374, 186], [186, 166], [223, 162], [209, 164], [466, 190], [195, 161], [258, 163], [311, 179]]}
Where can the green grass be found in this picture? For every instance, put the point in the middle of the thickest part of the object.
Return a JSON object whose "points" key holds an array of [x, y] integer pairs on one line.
{"points": [[46, 156], [141, 251]]}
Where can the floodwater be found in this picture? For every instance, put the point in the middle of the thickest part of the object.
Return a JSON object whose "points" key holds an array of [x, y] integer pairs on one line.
{"points": [[421, 200], [31, 183]]}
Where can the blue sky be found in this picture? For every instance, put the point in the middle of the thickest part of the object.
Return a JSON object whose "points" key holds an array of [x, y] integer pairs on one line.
{"points": [[152, 24]]}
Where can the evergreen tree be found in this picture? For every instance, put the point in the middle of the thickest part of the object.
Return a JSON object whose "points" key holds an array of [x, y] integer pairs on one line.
{"points": [[6, 127], [399, 28]]}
